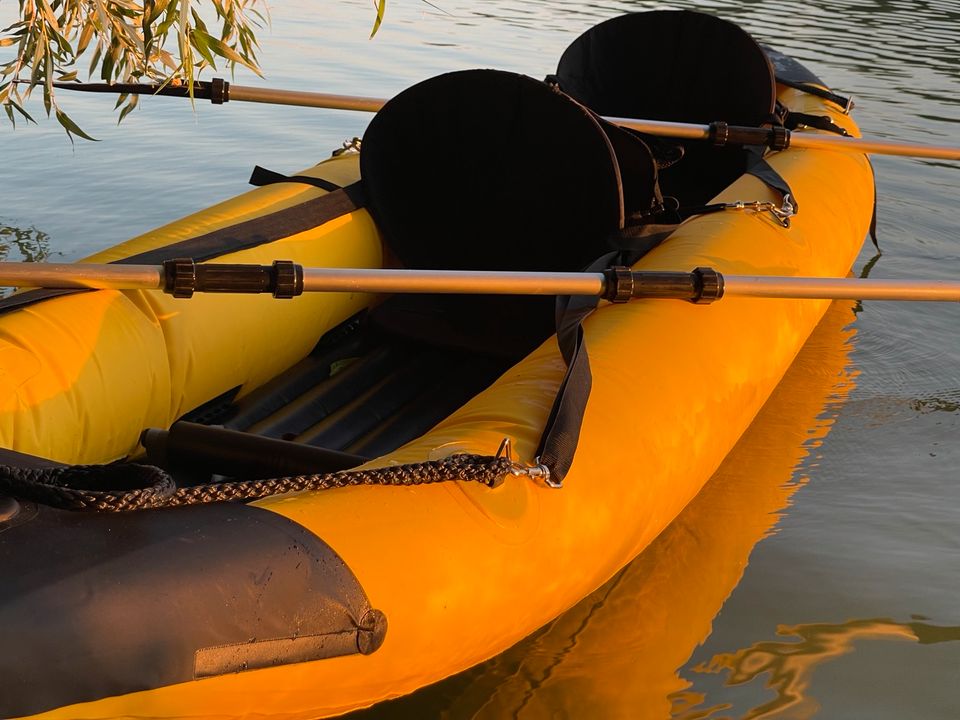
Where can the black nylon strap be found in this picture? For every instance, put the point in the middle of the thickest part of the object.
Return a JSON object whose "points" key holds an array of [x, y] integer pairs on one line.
{"points": [[558, 444], [820, 122], [843, 102], [762, 170], [261, 176], [561, 435], [873, 217], [245, 235]]}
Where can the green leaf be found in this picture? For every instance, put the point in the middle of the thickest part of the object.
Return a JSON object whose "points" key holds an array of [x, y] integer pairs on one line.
{"points": [[159, 7], [71, 127], [19, 109], [381, 9], [225, 51], [95, 60], [157, 40], [202, 42], [128, 109]]}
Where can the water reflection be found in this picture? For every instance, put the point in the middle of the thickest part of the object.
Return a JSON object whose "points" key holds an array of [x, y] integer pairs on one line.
{"points": [[24, 244], [787, 666], [617, 653]]}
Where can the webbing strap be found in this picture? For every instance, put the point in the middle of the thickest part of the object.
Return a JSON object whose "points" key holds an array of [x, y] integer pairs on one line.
{"points": [[245, 235], [261, 176], [558, 443], [820, 122], [844, 102], [761, 169]]}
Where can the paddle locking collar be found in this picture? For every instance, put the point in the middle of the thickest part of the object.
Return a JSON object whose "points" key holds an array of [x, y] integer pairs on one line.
{"points": [[775, 138], [182, 277], [703, 285]]}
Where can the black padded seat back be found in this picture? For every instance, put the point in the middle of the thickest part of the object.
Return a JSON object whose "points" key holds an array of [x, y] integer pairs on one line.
{"points": [[490, 170], [681, 66]]}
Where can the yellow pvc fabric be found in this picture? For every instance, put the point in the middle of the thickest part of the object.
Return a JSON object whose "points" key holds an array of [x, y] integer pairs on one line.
{"points": [[464, 572], [81, 376]]}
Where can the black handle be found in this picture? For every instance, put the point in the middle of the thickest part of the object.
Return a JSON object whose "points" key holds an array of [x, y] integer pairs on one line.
{"points": [[183, 277], [702, 285]]}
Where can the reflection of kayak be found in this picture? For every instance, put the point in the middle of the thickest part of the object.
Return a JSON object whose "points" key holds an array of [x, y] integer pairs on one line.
{"points": [[310, 603], [787, 665], [617, 652]]}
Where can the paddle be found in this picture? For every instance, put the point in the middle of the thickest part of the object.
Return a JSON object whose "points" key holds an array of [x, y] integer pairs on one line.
{"points": [[285, 279], [219, 91]]}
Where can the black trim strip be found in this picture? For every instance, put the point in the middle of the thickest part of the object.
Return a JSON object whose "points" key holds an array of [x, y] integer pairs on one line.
{"points": [[259, 231], [242, 236]]}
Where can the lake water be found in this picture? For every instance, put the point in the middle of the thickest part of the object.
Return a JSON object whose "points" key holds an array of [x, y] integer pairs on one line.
{"points": [[818, 574]]}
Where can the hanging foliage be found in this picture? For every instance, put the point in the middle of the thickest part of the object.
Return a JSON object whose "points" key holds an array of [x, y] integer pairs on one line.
{"points": [[159, 41]]}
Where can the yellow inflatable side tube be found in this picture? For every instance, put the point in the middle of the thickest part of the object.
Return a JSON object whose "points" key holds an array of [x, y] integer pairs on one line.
{"points": [[82, 375]]}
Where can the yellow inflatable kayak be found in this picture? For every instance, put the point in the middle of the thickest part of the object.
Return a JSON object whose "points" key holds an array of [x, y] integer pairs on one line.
{"points": [[420, 481]]}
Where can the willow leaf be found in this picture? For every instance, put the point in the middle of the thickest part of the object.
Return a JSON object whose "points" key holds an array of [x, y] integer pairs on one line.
{"points": [[71, 127], [381, 9], [128, 109], [159, 40]]}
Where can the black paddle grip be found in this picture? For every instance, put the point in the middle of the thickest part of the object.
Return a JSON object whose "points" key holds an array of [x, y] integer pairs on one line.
{"points": [[703, 285], [183, 277], [776, 138]]}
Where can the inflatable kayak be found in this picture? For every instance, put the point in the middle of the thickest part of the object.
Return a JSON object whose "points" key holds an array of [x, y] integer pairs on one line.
{"points": [[231, 505]]}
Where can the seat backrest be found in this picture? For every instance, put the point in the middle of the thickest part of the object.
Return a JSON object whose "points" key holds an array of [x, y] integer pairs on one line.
{"points": [[490, 170], [680, 66]]}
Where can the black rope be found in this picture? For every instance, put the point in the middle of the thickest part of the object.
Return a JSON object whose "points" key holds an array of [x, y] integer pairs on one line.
{"points": [[124, 487]]}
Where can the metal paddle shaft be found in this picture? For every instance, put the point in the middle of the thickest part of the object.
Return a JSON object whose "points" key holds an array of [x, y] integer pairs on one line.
{"points": [[285, 279], [219, 91], [780, 138]]}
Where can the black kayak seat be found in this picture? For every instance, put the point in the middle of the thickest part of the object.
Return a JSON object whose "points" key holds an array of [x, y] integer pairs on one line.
{"points": [[511, 175], [680, 66]]}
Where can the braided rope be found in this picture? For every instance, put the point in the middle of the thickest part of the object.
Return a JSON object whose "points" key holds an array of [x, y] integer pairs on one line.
{"points": [[120, 488]]}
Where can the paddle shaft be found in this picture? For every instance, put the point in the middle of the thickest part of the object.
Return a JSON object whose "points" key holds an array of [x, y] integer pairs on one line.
{"points": [[797, 140], [219, 91], [285, 279]]}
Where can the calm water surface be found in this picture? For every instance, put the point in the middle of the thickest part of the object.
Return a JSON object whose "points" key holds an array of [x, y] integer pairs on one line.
{"points": [[818, 574]]}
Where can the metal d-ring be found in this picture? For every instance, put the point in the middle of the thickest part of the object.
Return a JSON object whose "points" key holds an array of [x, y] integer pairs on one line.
{"points": [[781, 214], [539, 471]]}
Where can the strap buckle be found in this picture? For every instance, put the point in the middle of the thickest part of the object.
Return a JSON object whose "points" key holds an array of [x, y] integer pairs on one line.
{"points": [[539, 471], [781, 214]]}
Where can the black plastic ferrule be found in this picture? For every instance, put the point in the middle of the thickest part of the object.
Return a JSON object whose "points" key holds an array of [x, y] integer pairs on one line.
{"points": [[618, 284], [183, 277], [709, 285], [180, 277], [219, 91], [287, 279], [779, 138], [720, 134]]}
